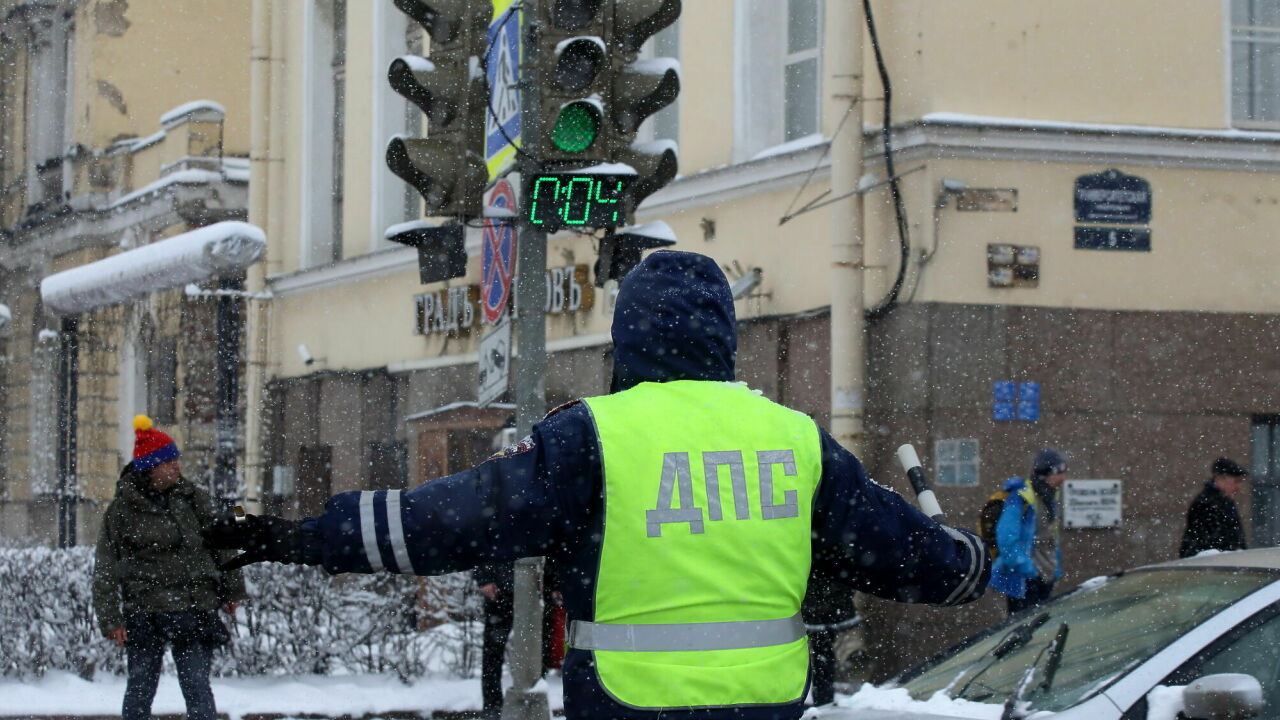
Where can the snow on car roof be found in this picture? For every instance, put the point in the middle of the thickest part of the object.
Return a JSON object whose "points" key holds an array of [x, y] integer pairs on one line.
{"points": [[1262, 558]]}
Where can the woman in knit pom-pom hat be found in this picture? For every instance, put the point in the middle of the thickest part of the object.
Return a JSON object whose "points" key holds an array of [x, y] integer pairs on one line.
{"points": [[155, 585]]}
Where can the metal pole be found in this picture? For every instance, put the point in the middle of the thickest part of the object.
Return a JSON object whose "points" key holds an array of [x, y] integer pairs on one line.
{"points": [[225, 485], [68, 399], [848, 318], [521, 702]]}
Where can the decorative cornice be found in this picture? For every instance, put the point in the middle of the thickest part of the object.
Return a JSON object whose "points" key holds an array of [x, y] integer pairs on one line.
{"points": [[200, 203], [945, 135], [936, 136]]}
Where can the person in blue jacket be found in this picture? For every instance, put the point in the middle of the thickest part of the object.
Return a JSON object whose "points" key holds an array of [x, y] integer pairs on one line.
{"points": [[673, 330], [1028, 533]]}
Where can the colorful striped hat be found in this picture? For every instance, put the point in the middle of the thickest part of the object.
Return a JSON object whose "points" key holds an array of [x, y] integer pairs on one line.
{"points": [[151, 447]]}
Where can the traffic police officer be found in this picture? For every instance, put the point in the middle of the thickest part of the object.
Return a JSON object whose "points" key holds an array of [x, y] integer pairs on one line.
{"points": [[684, 509]]}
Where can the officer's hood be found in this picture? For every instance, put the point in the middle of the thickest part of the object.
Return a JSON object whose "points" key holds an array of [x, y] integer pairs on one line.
{"points": [[673, 320]]}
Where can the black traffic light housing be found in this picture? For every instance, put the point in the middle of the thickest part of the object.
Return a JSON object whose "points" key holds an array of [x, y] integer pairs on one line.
{"points": [[620, 251], [447, 167], [595, 92], [442, 253]]}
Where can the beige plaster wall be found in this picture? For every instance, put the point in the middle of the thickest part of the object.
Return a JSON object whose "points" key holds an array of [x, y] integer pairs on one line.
{"points": [[1140, 62], [1211, 238], [135, 61]]}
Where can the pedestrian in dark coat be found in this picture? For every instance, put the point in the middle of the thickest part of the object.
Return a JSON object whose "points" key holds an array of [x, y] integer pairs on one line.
{"points": [[155, 585], [496, 581], [828, 610], [711, 626], [1213, 520]]}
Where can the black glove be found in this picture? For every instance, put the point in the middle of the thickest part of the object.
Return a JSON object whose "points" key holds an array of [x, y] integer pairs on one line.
{"points": [[262, 537]]}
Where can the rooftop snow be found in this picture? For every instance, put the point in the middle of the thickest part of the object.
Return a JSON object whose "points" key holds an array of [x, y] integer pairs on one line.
{"points": [[173, 262], [238, 173], [189, 108]]}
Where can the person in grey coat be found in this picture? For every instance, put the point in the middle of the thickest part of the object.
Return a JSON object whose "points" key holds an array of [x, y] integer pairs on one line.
{"points": [[155, 585]]}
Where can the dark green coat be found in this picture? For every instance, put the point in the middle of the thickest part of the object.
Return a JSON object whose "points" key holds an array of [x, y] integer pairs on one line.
{"points": [[150, 557]]}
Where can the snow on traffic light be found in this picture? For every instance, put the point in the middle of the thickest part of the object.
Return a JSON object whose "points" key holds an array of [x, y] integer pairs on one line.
{"points": [[449, 86], [594, 95]]}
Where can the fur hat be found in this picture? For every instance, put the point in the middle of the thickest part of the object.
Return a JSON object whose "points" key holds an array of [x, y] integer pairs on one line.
{"points": [[151, 447]]}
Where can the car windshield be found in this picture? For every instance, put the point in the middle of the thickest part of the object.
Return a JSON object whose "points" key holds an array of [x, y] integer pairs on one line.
{"points": [[1114, 626]]}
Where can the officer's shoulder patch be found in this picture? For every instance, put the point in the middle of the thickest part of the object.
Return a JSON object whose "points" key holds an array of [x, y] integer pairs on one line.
{"points": [[519, 448], [559, 408]]}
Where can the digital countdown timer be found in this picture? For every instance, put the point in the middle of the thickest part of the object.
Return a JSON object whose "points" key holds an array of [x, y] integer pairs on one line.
{"points": [[578, 200]]}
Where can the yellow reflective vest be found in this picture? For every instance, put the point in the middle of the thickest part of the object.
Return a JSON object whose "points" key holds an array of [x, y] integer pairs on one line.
{"points": [[705, 557]]}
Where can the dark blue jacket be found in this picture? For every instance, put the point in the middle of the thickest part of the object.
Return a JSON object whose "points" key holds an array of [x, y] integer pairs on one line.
{"points": [[674, 320]]}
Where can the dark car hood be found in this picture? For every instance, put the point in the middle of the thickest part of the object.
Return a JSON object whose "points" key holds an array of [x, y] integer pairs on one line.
{"points": [[673, 320]]}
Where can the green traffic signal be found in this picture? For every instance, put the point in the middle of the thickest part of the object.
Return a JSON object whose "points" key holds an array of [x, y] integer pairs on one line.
{"points": [[576, 127]]}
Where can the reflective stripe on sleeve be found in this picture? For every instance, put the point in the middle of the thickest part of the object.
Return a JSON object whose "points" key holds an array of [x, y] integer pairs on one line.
{"points": [[678, 637], [368, 533], [395, 531], [969, 585]]}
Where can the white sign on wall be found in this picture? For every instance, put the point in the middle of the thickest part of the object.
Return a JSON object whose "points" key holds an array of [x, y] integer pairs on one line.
{"points": [[1091, 503]]}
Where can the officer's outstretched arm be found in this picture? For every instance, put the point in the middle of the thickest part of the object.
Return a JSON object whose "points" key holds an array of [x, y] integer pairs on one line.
{"points": [[519, 503], [875, 540]]}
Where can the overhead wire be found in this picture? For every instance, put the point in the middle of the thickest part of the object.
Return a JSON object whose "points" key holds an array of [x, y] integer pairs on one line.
{"points": [[895, 189]]}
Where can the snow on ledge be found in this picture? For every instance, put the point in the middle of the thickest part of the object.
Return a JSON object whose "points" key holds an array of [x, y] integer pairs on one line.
{"points": [[195, 107], [190, 257], [801, 143], [949, 118]]}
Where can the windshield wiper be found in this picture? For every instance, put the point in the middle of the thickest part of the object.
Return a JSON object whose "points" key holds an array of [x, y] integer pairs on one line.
{"points": [[1054, 649], [1015, 639], [1055, 657]]}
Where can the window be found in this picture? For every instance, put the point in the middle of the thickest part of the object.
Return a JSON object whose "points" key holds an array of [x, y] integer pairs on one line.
{"points": [[957, 462], [1264, 467], [162, 381], [1253, 653], [324, 123], [1255, 63], [338, 133], [1112, 627], [388, 465], [1249, 648], [778, 81], [800, 73]]}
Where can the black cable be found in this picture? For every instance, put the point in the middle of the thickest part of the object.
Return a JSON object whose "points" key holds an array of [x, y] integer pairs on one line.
{"points": [[879, 311]]}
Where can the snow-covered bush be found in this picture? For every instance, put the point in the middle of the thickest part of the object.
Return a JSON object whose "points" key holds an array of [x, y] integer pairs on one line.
{"points": [[298, 620]]}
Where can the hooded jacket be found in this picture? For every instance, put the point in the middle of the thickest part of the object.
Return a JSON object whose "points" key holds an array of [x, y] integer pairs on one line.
{"points": [[1016, 537], [674, 320], [150, 556]]}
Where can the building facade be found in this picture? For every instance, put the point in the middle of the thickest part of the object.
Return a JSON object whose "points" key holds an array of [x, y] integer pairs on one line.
{"points": [[1150, 330], [114, 135], [1086, 195]]}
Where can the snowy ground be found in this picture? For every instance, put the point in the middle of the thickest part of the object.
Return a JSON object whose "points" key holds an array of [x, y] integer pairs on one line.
{"points": [[60, 693]]}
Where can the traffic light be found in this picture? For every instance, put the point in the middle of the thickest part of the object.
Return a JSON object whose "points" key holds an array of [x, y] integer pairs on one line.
{"points": [[620, 251], [595, 92], [447, 167], [573, 68], [442, 252]]}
